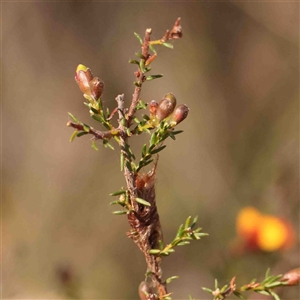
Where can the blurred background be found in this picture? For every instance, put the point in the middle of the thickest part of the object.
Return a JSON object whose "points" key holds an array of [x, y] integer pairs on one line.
{"points": [[236, 67]]}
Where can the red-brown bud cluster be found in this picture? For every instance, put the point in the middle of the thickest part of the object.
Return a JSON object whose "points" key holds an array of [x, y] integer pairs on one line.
{"points": [[165, 107], [167, 110], [90, 86], [292, 277]]}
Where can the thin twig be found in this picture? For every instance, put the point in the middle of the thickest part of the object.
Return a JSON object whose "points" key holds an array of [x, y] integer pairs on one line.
{"points": [[99, 135]]}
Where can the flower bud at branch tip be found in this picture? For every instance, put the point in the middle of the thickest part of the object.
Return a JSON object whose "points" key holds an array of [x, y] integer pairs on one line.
{"points": [[152, 108], [96, 88], [83, 76], [176, 32], [292, 277], [179, 114], [165, 106]]}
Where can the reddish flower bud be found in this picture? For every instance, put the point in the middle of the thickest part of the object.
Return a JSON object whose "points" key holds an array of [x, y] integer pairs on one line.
{"points": [[292, 277], [96, 88], [179, 114], [144, 290], [152, 108], [166, 106], [176, 32], [83, 76]]}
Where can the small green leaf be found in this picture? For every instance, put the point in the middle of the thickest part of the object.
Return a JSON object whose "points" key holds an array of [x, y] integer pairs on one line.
{"points": [[138, 37], [168, 45], [275, 296], [154, 251], [128, 132], [144, 150], [121, 192], [172, 136], [161, 244], [114, 202], [187, 222], [107, 144], [158, 149], [144, 164], [140, 55], [151, 77], [128, 165], [200, 234], [151, 47], [73, 136], [73, 118], [120, 212], [86, 128], [267, 273], [141, 105], [170, 279], [95, 111], [142, 66], [183, 243], [262, 292], [146, 117], [207, 290], [98, 118], [153, 139], [223, 288], [177, 132], [194, 222], [79, 134], [134, 61], [94, 146], [142, 201], [122, 161], [137, 83], [273, 284], [136, 120], [179, 232], [216, 284]]}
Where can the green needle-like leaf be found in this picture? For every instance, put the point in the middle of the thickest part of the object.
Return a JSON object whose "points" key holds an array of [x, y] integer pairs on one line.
{"points": [[168, 45], [187, 222], [121, 192], [79, 134], [138, 37], [144, 150], [154, 251], [73, 136], [151, 77], [134, 61], [207, 290], [158, 149], [170, 279], [120, 212], [94, 146], [151, 47], [142, 201], [73, 118]]}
